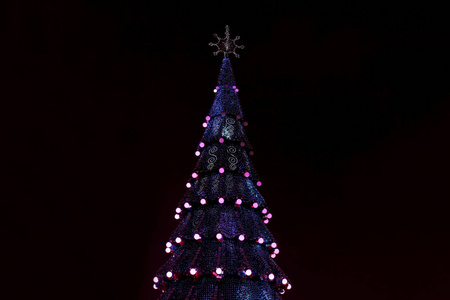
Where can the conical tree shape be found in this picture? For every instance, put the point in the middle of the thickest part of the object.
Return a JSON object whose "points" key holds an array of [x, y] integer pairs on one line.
{"points": [[222, 248]]}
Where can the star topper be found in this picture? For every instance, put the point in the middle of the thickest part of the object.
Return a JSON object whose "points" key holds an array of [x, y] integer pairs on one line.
{"points": [[226, 45]]}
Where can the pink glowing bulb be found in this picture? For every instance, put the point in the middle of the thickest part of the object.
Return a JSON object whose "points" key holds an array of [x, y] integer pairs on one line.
{"points": [[187, 205], [219, 236], [177, 216], [217, 87], [245, 123], [201, 144], [168, 244], [266, 221], [238, 202], [264, 211], [194, 175], [221, 170], [246, 174], [276, 251], [237, 90], [234, 86], [242, 144], [255, 205], [271, 277], [188, 185], [248, 272], [251, 153], [221, 140], [284, 281], [203, 201], [260, 240], [169, 274], [273, 245], [193, 271], [269, 216], [289, 286], [273, 255], [219, 271], [178, 210], [242, 237], [197, 153], [259, 183], [168, 250], [155, 279], [221, 200], [178, 240], [197, 236], [238, 117], [208, 118]]}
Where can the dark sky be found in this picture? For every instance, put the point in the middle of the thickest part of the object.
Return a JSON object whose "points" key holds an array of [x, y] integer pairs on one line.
{"points": [[348, 110]]}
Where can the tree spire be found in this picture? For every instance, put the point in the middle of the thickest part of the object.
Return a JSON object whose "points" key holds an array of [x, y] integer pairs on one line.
{"points": [[226, 45]]}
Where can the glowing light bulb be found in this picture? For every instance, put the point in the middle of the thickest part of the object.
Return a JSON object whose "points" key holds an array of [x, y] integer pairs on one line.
{"points": [[155, 279], [266, 221], [188, 185], [251, 153], [260, 240], [177, 216], [289, 286], [248, 272], [197, 153], [203, 201], [201, 144], [269, 216], [221, 140], [217, 87], [219, 236], [187, 205], [197, 236], [219, 271], [169, 274], [273, 255], [242, 237], [259, 183], [178, 240], [273, 245], [276, 251], [215, 91], [238, 116], [271, 277], [178, 210], [193, 271], [208, 118], [237, 90], [238, 202], [155, 286], [168, 244], [246, 174], [221, 200], [284, 281], [255, 205], [168, 250], [242, 144], [234, 87], [194, 175], [264, 211], [245, 123], [221, 170], [282, 291]]}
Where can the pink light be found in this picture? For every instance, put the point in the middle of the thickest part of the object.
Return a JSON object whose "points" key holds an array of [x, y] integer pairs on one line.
{"points": [[245, 123], [271, 277], [276, 251], [242, 237], [194, 175], [238, 202], [219, 236], [266, 221], [269, 216], [221, 200], [203, 201], [289, 286], [234, 86], [251, 153], [259, 183], [193, 271], [197, 236], [242, 144], [255, 205], [168, 244], [273, 255], [238, 117], [221, 170], [284, 281], [178, 210], [155, 286], [246, 174], [168, 250], [248, 272], [202, 144], [237, 90], [217, 87], [273, 245], [169, 274], [188, 185], [260, 240], [177, 216], [208, 118], [155, 279], [178, 240], [264, 211], [187, 205], [219, 271], [221, 140], [197, 153]]}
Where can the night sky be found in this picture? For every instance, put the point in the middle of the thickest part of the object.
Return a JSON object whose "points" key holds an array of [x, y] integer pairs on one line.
{"points": [[348, 109]]}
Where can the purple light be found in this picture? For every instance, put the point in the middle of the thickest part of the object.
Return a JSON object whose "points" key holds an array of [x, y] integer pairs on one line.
{"points": [[205, 124], [217, 87], [234, 87], [193, 271], [194, 175], [202, 144], [255, 205], [273, 255], [246, 174], [238, 202], [251, 153], [271, 277], [266, 221], [221, 140], [264, 211], [168, 250], [197, 153], [219, 271], [242, 237], [187, 205], [237, 90], [203, 201], [258, 183], [208, 118], [269, 216], [276, 251], [221, 200], [260, 240], [245, 123], [221, 170]]}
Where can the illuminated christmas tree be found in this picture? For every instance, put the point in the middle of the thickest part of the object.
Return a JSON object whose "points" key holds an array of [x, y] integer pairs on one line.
{"points": [[222, 248]]}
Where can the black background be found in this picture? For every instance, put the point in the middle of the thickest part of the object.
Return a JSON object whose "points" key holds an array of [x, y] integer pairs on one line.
{"points": [[348, 111]]}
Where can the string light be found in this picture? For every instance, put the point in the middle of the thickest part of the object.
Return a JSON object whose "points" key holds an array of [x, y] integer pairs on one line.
{"points": [[178, 210], [260, 240], [284, 281], [188, 185], [208, 117], [155, 279], [205, 124], [276, 251], [221, 140], [177, 216], [187, 205], [266, 221], [201, 144], [155, 286], [248, 272], [168, 244], [219, 271], [242, 237], [193, 271], [197, 236], [273, 245], [221, 200], [194, 175], [221, 170], [203, 201], [178, 240], [259, 183], [169, 274], [255, 205], [246, 174], [289, 286], [269, 216], [168, 250], [238, 202], [219, 236], [271, 277], [264, 211], [242, 144]]}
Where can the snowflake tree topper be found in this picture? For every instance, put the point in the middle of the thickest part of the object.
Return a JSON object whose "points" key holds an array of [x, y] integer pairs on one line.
{"points": [[226, 45]]}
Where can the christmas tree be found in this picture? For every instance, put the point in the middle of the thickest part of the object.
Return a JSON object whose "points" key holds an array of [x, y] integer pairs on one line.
{"points": [[222, 248]]}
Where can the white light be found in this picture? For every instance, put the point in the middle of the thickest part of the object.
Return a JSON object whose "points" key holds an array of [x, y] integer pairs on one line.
{"points": [[188, 185], [248, 272], [282, 292], [289, 286], [255, 205], [205, 124], [197, 153], [219, 236], [219, 271], [242, 237], [193, 271], [169, 274], [203, 201], [168, 245], [273, 245], [187, 205], [168, 250], [155, 279], [271, 277], [276, 251], [197, 236], [155, 287], [178, 240], [221, 200], [177, 216], [260, 240], [178, 210], [215, 91], [264, 211], [284, 281]]}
